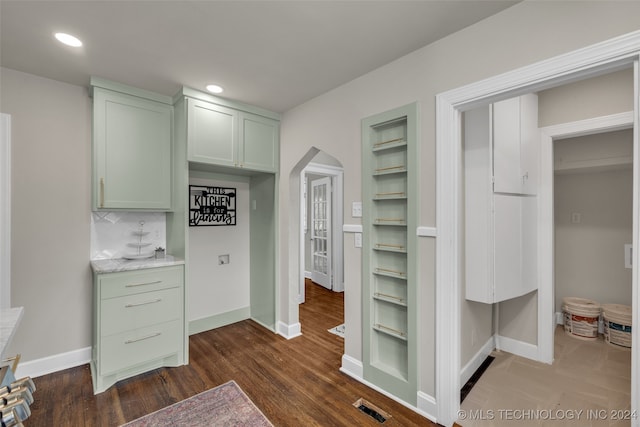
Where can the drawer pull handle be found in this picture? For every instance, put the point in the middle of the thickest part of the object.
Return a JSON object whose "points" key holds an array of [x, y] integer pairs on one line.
{"points": [[136, 304], [146, 337], [133, 285]]}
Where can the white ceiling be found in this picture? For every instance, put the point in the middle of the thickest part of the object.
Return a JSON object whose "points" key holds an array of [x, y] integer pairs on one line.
{"points": [[272, 54]]}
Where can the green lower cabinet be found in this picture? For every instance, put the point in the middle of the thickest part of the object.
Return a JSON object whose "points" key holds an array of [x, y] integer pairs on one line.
{"points": [[139, 323], [390, 213]]}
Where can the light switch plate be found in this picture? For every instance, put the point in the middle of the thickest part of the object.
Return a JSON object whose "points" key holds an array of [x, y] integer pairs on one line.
{"points": [[357, 240], [356, 209], [576, 218]]}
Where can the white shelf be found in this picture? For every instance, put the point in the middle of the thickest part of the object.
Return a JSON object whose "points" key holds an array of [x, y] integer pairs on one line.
{"points": [[388, 145], [390, 331], [390, 273], [391, 299]]}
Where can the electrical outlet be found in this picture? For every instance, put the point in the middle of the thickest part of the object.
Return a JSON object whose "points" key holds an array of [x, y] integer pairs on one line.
{"points": [[357, 240]]}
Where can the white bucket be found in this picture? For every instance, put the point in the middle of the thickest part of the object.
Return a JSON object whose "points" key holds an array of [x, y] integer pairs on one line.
{"points": [[617, 324], [581, 317]]}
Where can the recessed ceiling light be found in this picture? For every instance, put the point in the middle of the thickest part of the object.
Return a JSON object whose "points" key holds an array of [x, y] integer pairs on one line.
{"points": [[68, 39], [214, 89]]}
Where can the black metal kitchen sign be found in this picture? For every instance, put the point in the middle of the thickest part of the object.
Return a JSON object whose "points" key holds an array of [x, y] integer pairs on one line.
{"points": [[211, 206]]}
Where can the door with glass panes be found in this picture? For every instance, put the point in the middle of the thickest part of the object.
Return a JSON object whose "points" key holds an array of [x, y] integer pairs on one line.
{"points": [[321, 232]]}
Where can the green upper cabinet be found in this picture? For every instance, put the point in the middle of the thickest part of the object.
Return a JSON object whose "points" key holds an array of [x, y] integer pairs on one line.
{"points": [[131, 151], [212, 133], [259, 142], [223, 136]]}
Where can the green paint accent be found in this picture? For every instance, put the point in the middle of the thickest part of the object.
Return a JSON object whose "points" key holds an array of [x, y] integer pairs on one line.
{"points": [[178, 219], [218, 320], [262, 199], [389, 264]]}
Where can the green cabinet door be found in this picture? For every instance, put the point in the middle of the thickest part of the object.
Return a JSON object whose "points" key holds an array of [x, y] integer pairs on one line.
{"points": [[212, 133], [132, 152], [259, 143], [223, 136]]}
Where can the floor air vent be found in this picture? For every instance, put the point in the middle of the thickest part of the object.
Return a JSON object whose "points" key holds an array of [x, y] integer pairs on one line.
{"points": [[372, 410]]}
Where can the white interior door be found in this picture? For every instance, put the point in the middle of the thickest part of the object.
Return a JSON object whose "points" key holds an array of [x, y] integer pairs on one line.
{"points": [[321, 232]]}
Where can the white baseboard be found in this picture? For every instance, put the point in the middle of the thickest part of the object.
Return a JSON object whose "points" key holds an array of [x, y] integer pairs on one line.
{"points": [[307, 274], [426, 404], [352, 367], [519, 348], [57, 362], [477, 360], [289, 331], [559, 319]]}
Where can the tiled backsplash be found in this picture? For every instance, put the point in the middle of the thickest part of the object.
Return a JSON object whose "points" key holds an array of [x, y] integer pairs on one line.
{"points": [[115, 234]]}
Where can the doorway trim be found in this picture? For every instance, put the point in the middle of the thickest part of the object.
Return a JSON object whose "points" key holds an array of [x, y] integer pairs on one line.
{"points": [[590, 61], [546, 229], [337, 175]]}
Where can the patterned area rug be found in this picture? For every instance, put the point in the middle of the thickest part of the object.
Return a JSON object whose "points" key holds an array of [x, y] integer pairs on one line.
{"points": [[338, 330], [225, 405]]}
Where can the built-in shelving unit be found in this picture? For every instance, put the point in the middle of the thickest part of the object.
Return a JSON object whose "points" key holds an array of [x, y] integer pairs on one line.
{"points": [[389, 265]]}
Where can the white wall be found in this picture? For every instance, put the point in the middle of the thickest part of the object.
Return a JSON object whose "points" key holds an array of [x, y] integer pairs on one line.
{"points": [[523, 34], [5, 210], [586, 99], [51, 202], [217, 289], [589, 256]]}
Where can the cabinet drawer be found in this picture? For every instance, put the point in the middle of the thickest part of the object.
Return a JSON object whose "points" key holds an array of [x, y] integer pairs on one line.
{"points": [[139, 310], [142, 345], [138, 281]]}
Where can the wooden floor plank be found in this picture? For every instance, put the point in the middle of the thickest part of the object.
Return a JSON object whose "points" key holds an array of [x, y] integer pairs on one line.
{"points": [[294, 382]]}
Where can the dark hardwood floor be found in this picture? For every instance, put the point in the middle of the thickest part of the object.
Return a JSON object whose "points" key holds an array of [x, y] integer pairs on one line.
{"points": [[294, 382]]}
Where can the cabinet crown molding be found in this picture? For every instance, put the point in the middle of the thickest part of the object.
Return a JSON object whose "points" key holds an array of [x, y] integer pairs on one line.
{"points": [[196, 94], [128, 90]]}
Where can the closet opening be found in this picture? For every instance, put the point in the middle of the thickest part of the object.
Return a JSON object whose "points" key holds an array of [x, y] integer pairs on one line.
{"points": [[584, 221], [318, 178]]}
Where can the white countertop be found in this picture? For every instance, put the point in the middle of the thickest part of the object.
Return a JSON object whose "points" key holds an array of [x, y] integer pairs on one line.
{"points": [[121, 264], [9, 320]]}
